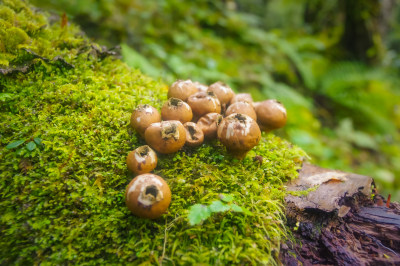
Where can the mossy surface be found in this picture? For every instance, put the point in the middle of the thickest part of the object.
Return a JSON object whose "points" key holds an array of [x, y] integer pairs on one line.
{"points": [[62, 198]]}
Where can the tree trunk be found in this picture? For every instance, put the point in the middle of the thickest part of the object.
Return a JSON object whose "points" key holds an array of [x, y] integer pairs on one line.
{"points": [[339, 223]]}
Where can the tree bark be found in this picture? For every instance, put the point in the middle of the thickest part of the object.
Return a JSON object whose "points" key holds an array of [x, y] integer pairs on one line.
{"points": [[339, 223]]}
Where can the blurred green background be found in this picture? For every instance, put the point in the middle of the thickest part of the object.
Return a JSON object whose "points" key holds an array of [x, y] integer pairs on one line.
{"points": [[333, 63]]}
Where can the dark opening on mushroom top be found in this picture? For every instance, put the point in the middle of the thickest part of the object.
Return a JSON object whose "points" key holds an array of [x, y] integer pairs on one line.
{"points": [[239, 134], [148, 196]]}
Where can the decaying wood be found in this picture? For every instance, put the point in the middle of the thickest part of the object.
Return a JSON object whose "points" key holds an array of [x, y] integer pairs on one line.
{"points": [[338, 223]]}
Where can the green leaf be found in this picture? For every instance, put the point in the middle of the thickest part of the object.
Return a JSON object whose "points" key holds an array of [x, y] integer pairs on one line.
{"points": [[246, 211], [218, 206], [236, 208], [15, 144], [198, 213], [38, 141], [226, 197], [5, 96], [31, 146]]}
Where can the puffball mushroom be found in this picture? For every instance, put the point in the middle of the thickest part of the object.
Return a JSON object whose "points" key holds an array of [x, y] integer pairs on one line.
{"points": [[242, 97], [176, 109], [271, 115], [209, 124], [141, 160], [239, 133], [194, 135], [182, 89], [223, 92], [143, 116], [200, 86], [203, 103], [166, 136], [148, 196], [242, 108]]}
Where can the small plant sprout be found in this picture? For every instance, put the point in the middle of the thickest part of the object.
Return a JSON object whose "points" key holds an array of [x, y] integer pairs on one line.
{"points": [[200, 212]]}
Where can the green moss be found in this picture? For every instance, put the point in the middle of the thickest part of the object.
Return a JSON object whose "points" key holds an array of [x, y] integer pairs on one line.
{"points": [[62, 200]]}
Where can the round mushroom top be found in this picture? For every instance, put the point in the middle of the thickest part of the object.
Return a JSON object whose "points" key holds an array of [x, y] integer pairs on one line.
{"points": [[143, 116], [223, 92], [182, 89], [148, 196], [271, 114], [239, 133]]}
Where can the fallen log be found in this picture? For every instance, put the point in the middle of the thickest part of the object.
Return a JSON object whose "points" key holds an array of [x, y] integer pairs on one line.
{"points": [[339, 222]]}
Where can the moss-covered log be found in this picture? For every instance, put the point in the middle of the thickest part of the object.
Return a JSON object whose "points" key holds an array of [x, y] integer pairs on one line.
{"points": [[64, 136]]}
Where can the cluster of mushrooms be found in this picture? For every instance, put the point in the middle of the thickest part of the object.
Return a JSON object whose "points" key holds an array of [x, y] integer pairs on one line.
{"points": [[192, 114]]}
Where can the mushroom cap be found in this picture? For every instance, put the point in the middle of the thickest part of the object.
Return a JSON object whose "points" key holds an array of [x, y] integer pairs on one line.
{"points": [[209, 124], [182, 89], [143, 116], [194, 135], [176, 109], [242, 108], [223, 92], [203, 103], [271, 114], [141, 160], [239, 133], [242, 97], [148, 196], [166, 136], [201, 87]]}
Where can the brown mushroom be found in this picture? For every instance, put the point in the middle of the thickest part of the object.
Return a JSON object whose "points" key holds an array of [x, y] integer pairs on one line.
{"points": [[166, 136], [194, 135], [141, 160], [242, 97], [201, 87], [209, 124], [223, 92], [148, 196], [271, 115], [242, 108], [182, 89], [143, 116], [176, 109], [255, 104], [203, 103], [239, 134]]}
